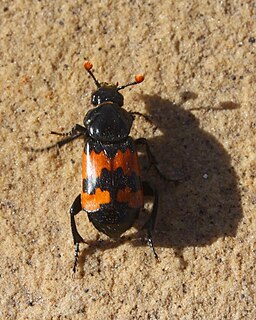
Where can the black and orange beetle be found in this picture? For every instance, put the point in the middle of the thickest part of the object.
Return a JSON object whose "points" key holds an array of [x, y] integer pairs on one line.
{"points": [[112, 190]]}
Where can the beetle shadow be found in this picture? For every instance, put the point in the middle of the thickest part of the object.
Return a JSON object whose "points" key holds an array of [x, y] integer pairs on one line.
{"points": [[204, 204], [92, 246]]}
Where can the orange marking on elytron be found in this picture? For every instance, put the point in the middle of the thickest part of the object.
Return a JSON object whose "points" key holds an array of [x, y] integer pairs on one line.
{"points": [[92, 202], [134, 199], [128, 161], [94, 163]]}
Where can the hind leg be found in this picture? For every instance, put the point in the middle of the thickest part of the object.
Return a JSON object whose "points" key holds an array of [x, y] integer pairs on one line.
{"points": [[75, 209], [150, 224]]}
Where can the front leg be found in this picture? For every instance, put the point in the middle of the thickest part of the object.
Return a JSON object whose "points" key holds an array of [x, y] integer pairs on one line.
{"points": [[76, 132], [75, 209], [76, 129]]}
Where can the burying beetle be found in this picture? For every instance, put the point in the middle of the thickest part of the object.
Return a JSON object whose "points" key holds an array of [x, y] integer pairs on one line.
{"points": [[112, 190]]}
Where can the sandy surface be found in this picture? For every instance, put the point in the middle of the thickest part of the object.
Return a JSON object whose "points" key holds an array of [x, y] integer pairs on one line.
{"points": [[199, 89]]}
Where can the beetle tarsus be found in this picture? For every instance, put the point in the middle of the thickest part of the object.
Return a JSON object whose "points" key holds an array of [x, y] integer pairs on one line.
{"points": [[75, 209], [151, 245], [76, 258], [151, 191]]}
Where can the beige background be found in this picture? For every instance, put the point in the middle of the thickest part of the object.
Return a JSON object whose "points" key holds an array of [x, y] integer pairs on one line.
{"points": [[198, 58]]}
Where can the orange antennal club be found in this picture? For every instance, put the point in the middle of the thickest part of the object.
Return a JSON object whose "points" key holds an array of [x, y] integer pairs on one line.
{"points": [[139, 78], [88, 65]]}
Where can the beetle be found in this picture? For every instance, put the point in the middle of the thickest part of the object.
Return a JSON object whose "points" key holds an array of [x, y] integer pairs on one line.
{"points": [[112, 190]]}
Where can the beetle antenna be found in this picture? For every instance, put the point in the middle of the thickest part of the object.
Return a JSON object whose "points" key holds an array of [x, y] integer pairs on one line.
{"points": [[88, 66], [138, 79]]}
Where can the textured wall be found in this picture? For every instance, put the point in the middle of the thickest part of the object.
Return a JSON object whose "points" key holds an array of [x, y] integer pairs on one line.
{"points": [[198, 58]]}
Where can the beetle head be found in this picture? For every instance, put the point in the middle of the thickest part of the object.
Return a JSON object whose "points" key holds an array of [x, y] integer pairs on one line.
{"points": [[108, 92]]}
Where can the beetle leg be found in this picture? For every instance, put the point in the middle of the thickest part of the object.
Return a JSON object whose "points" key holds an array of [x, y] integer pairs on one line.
{"points": [[148, 190], [76, 128], [75, 209], [153, 162], [73, 134], [135, 113], [151, 158]]}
